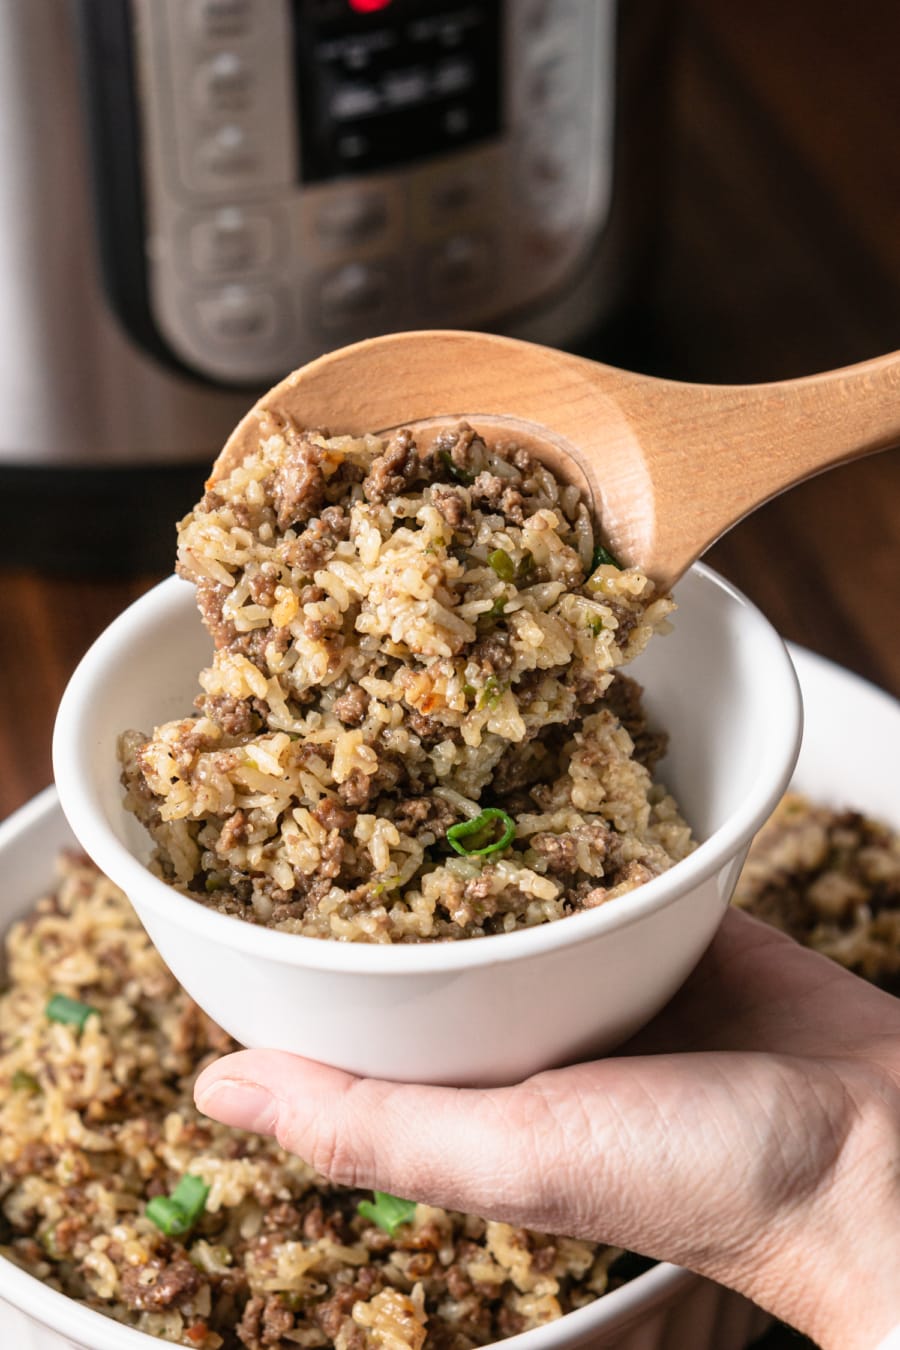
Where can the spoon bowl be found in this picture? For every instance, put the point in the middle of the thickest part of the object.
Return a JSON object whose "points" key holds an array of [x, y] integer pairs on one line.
{"points": [[667, 467]]}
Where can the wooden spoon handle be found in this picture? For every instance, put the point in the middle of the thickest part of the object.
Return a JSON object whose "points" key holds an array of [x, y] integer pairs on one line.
{"points": [[714, 453], [668, 466]]}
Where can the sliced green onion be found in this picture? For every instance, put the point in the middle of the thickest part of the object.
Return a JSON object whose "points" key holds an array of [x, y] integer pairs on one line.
{"points": [[500, 562], [456, 473], [177, 1213], [23, 1081], [596, 626], [491, 693], [472, 829], [168, 1217], [387, 1211], [69, 1011], [603, 555], [190, 1194]]}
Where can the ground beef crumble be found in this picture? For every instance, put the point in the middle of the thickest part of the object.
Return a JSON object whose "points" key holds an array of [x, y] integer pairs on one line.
{"points": [[160, 1284], [396, 470], [350, 707], [299, 487]]}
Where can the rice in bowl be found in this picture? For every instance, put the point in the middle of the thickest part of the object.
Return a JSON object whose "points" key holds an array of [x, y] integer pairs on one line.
{"points": [[831, 880], [97, 1121], [415, 726]]}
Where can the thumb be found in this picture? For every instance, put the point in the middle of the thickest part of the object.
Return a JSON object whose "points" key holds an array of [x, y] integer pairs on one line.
{"points": [[489, 1153]]}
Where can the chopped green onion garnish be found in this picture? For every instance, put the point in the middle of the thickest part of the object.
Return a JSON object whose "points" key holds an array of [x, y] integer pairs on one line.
{"points": [[501, 563], [70, 1011], [168, 1217], [22, 1081], [596, 626], [387, 1211], [491, 693], [603, 555], [190, 1194], [474, 830], [456, 473], [177, 1213]]}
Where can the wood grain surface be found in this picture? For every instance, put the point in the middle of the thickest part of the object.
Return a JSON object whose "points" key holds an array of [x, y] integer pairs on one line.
{"points": [[779, 256]]}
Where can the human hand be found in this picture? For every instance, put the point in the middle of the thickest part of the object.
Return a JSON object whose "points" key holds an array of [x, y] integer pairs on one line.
{"points": [[751, 1133]]}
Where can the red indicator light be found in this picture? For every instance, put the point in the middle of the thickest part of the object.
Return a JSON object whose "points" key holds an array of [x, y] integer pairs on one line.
{"points": [[368, 6]]}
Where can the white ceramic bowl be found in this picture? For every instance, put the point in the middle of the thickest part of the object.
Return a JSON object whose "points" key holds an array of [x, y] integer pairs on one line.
{"points": [[677, 1309], [488, 1010], [850, 749]]}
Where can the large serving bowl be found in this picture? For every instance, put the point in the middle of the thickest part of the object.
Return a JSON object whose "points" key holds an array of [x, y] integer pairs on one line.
{"points": [[850, 750], [672, 1306], [480, 1011]]}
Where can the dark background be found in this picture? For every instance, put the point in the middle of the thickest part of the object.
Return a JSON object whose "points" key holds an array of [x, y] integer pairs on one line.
{"points": [[779, 256]]}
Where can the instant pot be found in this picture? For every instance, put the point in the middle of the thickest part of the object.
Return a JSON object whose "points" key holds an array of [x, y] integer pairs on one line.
{"points": [[199, 195]]}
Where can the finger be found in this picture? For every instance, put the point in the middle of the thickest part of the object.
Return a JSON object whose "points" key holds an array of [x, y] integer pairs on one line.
{"points": [[359, 1132], [678, 1157], [517, 1154]]}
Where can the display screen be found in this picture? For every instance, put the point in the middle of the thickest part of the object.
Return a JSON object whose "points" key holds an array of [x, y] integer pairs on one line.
{"points": [[384, 82]]}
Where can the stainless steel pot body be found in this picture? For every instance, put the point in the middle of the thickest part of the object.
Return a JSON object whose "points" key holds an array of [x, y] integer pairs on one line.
{"points": [[552, 198]]}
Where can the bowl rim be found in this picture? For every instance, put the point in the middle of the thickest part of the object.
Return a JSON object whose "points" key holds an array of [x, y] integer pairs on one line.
{"points": [[607, 1313], [79, 796]]}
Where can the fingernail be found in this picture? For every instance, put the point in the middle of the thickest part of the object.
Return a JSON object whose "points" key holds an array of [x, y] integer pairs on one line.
{"points": [[246, 1106]]}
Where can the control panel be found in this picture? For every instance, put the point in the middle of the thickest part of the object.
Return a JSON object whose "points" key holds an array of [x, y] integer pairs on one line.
{"points": [[317, 171]]}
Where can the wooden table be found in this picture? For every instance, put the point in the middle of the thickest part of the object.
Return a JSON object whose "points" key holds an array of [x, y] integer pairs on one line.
{"points": [[780, 255]]}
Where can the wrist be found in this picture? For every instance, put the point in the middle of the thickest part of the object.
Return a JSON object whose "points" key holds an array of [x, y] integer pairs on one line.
{"points": [[832, 1268]]}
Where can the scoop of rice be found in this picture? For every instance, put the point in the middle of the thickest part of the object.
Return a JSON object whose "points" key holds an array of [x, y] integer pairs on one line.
{"points": [[405, 637]]}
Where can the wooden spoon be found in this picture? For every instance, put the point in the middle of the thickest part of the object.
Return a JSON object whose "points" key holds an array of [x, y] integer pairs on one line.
{"points": [[668, 467]]}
